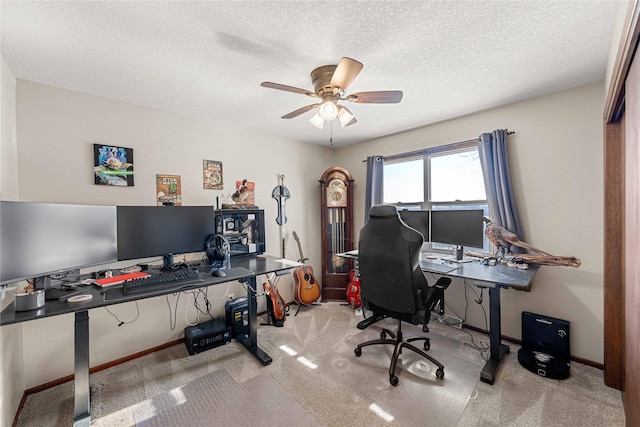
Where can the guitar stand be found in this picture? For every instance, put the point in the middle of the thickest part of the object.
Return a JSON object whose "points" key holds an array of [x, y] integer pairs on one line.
{"points": [[277, 324], [300, 306]]}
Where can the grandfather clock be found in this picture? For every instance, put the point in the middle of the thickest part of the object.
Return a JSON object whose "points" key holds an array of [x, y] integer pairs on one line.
{"points": [[337, 231]]}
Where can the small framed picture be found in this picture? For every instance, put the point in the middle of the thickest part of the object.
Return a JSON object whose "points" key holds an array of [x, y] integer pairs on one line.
{"points": [[245, 193], [212, 175], [168, 190], [113, 165]]}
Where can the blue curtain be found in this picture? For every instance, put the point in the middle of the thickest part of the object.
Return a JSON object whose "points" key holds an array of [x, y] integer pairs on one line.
{"points": [[494, 159], [374, 184]]}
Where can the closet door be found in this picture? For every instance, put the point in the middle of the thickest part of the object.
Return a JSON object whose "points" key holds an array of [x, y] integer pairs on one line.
{"points": [[632, 244], [622, 221]]}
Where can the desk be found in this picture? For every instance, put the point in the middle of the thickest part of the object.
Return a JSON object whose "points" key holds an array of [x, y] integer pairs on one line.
{"points": [[243, 269], [494, 278]]}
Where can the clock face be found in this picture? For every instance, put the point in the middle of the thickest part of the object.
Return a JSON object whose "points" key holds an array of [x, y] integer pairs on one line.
{"points": [[336, 194]]}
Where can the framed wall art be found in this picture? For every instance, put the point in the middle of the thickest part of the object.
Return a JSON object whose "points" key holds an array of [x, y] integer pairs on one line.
{"points": [[113, 165], [168, 190], [212, 175], [245, 193]]}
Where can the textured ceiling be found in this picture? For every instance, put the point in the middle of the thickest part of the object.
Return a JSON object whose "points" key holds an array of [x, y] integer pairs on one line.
{"points": [[207, 59]]}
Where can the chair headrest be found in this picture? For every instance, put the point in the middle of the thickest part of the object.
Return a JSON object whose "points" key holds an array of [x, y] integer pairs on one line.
{"points": [[383, 211]]}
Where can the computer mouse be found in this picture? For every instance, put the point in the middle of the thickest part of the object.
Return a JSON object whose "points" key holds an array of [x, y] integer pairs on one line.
{"points": [[219, 273]]}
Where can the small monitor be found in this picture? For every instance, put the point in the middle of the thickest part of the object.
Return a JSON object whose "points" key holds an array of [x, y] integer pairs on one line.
{"points": [[458, 227], [38, 240], [418, 220], [148, 231]]}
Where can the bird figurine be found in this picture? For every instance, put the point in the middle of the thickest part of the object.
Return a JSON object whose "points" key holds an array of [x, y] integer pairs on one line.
{"points": [[502, 239]]}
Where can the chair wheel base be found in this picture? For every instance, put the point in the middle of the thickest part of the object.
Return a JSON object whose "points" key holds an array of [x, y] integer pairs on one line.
{"points": [[440, 373], [393, 380], [358, 351]]}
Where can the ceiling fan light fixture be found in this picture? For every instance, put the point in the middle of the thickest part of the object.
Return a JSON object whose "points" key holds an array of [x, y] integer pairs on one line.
{"points": [[344, 116], [328, 110], [317, 120]]}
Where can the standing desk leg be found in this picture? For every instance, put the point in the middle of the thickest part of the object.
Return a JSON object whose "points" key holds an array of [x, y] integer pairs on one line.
{"points": [[82, 416], [497, 350], [250, 341]]}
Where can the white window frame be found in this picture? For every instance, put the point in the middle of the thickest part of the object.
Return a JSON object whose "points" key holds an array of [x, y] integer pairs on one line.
{"points": [[427, 203]]}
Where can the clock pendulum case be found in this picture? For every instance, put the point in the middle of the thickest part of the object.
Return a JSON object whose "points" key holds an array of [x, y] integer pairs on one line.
{"points": [[337, 231]]}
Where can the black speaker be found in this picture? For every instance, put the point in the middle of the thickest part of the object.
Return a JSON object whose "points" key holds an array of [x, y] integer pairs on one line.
{"points": [[545, 346]]}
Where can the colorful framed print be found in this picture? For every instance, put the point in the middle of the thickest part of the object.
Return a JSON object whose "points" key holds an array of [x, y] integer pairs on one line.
{"points": [[245, 193], [168, 190], [112, 165]]}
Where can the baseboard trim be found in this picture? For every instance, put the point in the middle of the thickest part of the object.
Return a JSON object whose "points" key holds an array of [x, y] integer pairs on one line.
{"points": [[98, 368]]}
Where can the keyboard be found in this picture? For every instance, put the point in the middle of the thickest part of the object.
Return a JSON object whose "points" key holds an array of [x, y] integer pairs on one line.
{"points": [[161, 282]]}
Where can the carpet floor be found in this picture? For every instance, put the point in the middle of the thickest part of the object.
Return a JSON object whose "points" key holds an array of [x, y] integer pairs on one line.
{"points": [[315, 379]]}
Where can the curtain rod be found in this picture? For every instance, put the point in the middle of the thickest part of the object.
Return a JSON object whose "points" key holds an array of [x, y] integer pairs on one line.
{"points": [[434, 149]]}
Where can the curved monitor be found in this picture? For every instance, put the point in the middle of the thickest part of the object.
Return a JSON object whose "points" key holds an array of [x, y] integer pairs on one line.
{"points": [[41, 239]]}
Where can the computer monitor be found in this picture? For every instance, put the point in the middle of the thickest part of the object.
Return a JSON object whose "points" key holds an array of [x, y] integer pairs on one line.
{"points": [[458, 227], [148, 231], [418, 220], [38, 240]]}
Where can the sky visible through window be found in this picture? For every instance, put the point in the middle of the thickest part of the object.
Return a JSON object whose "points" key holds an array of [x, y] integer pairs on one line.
{"points": [[454, 176], [404, 182], [457, 177]]}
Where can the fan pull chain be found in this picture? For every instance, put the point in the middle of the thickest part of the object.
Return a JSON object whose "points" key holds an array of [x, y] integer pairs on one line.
{"points": [[331, 135]]}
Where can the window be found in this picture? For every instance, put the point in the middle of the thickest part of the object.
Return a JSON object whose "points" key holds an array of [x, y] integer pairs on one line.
{"points": [[443, 178], [404, 182]]}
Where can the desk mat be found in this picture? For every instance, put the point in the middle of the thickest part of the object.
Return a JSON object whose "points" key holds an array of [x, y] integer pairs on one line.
{"points": [[436, 267]]}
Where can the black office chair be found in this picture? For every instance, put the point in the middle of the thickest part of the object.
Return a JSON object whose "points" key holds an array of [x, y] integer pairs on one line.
{"points": [[393, 285]]}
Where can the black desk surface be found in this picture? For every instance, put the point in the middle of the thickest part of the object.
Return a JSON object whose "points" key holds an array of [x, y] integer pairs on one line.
{"points": [[484, 275], [241, 268], [479, 274]]}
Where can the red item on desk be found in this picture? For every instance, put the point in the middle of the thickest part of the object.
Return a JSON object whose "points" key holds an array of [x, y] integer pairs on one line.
{"points": [[116, 280]]}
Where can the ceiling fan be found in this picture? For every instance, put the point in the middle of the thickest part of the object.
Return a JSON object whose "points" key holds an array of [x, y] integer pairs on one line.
{"points": [[330, 83]]}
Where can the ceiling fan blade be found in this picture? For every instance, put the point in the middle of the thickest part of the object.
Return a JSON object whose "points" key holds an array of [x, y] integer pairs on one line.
{"points": [[286, 88], [299, 111], [346, 72], [378, 97]]}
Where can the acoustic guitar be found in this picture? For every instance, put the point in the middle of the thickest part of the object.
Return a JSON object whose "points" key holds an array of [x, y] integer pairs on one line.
{"points": [[306, 289], [276, 307]]}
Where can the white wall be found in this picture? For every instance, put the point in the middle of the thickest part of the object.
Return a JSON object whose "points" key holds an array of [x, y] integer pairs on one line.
{"points": [[556, 160], [11, 363], [556, 165], [56, 130]]}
